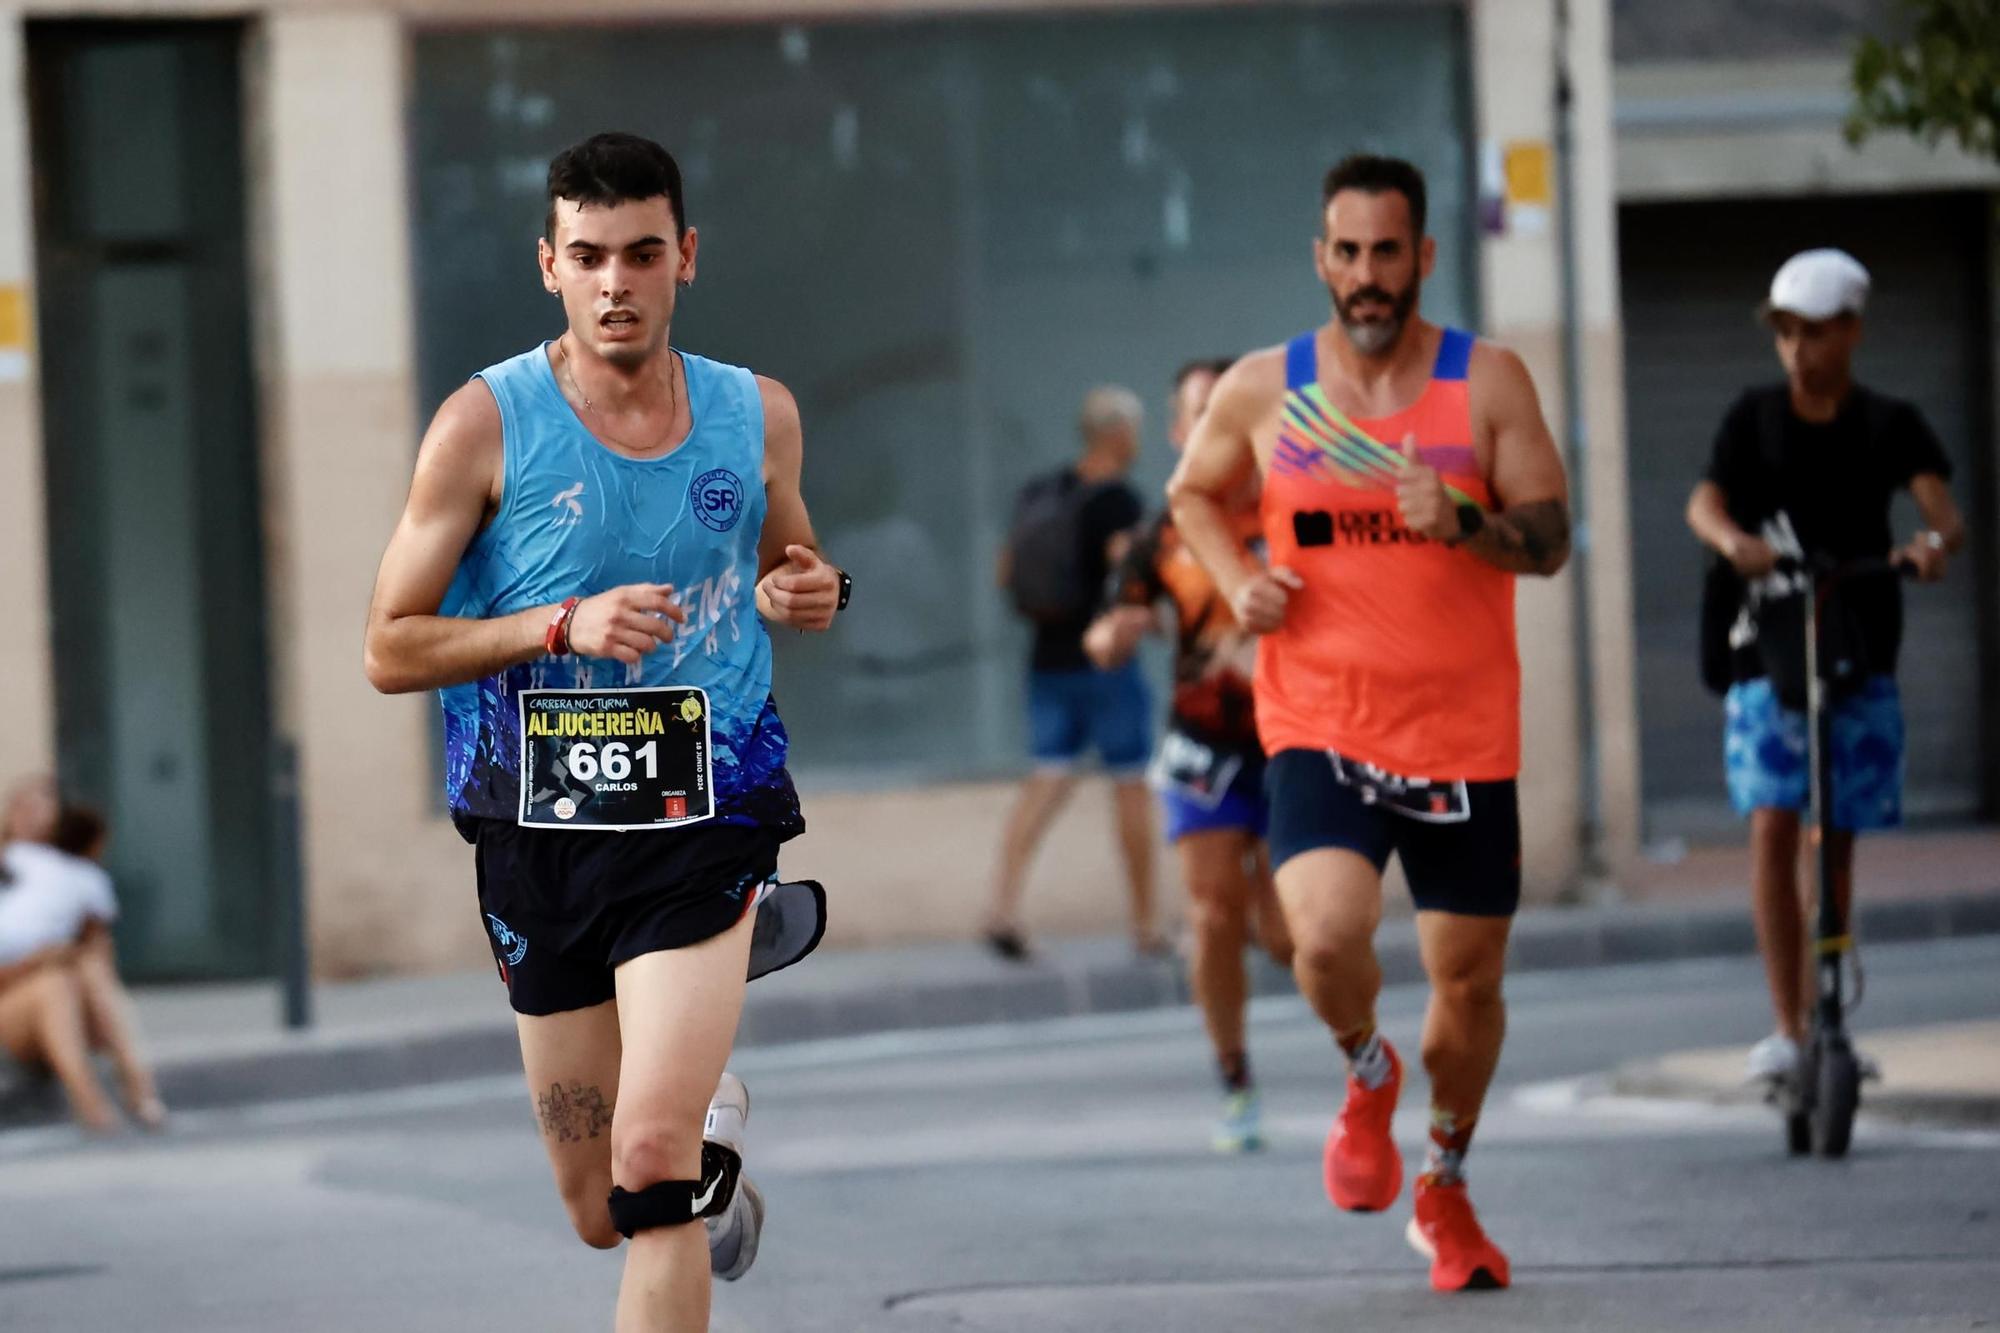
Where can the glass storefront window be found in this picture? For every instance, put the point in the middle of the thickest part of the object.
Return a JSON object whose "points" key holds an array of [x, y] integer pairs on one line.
{"points": [[939, 234]]}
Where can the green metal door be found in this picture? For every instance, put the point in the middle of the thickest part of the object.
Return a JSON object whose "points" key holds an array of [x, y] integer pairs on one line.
{"points": [[153, 499]]}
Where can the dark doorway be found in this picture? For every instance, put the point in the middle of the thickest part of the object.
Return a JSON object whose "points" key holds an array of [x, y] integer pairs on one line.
{"points": [[156, 547], [1692, 276]]}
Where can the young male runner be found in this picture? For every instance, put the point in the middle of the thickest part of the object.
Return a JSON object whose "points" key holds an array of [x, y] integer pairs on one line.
{"points": [[1408, 477], [1210, 769], [588, 528]]}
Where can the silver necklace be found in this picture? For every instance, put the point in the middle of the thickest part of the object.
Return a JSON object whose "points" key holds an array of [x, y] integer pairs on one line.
{"points": [[673, 391]]}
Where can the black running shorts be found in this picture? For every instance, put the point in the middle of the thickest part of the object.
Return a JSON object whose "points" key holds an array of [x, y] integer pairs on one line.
{"points": [[1468, 866], [563, 908]]}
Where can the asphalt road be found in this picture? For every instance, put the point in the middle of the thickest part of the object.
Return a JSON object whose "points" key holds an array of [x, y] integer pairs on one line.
{"points": [[1057, 1177]]}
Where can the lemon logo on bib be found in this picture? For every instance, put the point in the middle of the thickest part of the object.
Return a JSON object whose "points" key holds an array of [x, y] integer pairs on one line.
{"points": [[690, 709]]}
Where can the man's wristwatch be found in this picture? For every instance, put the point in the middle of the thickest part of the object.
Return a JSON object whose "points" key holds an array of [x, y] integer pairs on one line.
{"points": [[846, 590], [1471, 518]]}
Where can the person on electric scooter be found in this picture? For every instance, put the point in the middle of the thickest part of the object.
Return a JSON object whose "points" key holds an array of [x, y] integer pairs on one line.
{"points": [[1819, 457]]}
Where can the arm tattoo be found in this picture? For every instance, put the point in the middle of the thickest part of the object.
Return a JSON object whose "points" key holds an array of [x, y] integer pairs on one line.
{"points": [[1532, 538], [572, 1114]]}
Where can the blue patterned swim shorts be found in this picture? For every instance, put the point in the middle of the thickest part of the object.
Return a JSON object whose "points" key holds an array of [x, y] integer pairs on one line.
{"points": [[1764, 752]]}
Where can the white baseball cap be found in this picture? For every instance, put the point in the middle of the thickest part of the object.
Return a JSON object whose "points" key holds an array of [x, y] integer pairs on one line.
{"points": [[1819, 284]]}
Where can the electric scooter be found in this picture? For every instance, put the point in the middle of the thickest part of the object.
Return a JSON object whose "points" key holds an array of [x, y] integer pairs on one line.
{"points": [[1820, 1098]]}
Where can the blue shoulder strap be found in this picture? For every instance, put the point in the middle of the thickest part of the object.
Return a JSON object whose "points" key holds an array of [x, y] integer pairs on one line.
{"points": [[1454, 355], [1302, 360]]}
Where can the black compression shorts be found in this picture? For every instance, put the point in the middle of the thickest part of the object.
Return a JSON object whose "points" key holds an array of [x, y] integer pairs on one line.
{"points": [[1460, 843]]}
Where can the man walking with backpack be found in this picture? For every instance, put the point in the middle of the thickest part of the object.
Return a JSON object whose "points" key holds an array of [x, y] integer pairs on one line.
{"points": [[1068, 527], [1808, 469]]}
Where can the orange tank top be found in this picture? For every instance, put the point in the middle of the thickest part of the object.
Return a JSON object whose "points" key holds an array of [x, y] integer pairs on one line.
{"points": [[1399, 651], [1214, 657]]}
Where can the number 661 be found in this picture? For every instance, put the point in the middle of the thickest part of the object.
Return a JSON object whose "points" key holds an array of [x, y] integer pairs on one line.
{"points": [[614, 763]]}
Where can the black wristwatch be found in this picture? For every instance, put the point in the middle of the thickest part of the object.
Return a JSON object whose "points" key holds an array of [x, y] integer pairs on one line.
{"points": [[1471, 518], [846, 590]]}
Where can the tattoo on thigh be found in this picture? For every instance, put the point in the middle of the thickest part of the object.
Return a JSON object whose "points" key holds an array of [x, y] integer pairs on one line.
{"points": [[574, 1113]]}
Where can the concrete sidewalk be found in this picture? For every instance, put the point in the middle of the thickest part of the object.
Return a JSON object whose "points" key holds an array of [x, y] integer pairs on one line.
{"points": [[1902, 864], [1946, 1074], [224, 1044]]}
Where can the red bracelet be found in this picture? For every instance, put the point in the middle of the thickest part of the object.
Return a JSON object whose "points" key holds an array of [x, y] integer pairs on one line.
{"points": [[556, 641]]}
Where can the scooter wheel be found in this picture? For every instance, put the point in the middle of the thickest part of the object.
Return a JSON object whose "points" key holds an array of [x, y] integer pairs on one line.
{"points": [[1838, 1096], [1798, 1133]]}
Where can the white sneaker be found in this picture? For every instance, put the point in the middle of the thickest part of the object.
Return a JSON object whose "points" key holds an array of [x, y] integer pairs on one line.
{"points": [[1241, 1128], [733, 1237], [1776, 1057], [734, 1232]]}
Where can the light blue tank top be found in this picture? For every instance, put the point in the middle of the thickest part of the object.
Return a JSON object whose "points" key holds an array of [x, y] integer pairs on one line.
{"points": [[574, 519]]}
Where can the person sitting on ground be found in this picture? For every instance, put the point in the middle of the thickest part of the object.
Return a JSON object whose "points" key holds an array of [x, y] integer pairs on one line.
{"points": [[60, 995]]}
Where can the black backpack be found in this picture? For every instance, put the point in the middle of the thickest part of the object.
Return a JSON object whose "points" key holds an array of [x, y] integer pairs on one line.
{"points": [[1045, 539], [1722, 593], [1779, 651]]}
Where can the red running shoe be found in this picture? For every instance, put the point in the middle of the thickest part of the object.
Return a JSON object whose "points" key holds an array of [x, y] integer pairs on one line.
{"points": [[1446, 1232], [1364, 1170]]}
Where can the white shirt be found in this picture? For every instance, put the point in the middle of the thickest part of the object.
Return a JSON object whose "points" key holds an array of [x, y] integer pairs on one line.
{"points": [[48, 898]]}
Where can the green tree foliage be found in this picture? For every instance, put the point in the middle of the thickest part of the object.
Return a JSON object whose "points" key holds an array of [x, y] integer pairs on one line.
{"points": [[1942, 78]]}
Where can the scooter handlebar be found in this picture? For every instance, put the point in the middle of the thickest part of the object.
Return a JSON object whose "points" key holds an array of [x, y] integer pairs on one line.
{"points": [[1828, 570]]}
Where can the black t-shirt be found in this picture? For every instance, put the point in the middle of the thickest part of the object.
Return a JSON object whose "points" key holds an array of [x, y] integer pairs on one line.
{"points": [[1836, 481], [1111, 508]]}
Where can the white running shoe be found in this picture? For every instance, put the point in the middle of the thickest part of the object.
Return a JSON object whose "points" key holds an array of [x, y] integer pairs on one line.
{"points": [[734, 1232], [1241, 1128], [733, 1237], [1774, 1058]]}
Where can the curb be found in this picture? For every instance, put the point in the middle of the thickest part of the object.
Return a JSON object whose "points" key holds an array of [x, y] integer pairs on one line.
{"points": [[1957, 1110], [791, 1009]]}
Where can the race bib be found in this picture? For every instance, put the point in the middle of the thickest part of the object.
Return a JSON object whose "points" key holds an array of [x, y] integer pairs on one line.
{"points": [[615, 759], [1413, 798], [1194, 771]]}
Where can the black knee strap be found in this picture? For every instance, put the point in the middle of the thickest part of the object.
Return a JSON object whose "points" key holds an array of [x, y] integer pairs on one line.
{"points": [[675, 1203]]}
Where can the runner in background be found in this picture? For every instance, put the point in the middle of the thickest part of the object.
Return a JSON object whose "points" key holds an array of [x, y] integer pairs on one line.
{"points": [[1408, 478], [1209, 771]]}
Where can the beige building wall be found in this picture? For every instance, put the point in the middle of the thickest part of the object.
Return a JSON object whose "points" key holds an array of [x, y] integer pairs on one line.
{"points": [[25, 667], [1685, 131], [1522, 287], [390, 884], [1608, 539]]}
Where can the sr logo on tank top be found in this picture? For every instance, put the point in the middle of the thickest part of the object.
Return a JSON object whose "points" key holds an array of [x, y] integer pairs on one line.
{"points": [[717, 496]]}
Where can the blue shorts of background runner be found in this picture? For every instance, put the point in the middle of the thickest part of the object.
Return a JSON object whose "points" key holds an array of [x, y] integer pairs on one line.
{"points": [[1070, 712], [1765, 754], [1241, 807]]}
